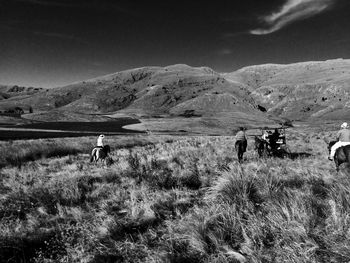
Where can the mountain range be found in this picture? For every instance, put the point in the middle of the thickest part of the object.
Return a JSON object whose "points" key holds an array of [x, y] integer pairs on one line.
{"points": [[180, 97]]}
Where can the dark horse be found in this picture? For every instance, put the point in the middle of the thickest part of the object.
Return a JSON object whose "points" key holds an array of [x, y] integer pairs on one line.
{"points": [[342, 154], [261, 146], [100, 153], [265, 149], [241, 147]]}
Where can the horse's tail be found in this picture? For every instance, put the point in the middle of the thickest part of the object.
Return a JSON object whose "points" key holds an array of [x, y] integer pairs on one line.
{"points": [[93, 155]]}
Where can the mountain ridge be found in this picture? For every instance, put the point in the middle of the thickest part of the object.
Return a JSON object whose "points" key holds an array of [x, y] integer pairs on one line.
{"points": [[262, 93]]}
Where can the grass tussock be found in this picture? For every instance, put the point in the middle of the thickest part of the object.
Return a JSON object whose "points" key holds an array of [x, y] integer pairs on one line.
{"points": [[185, 200]]}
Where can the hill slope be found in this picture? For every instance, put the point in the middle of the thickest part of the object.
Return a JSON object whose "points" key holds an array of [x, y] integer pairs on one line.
{"points": [[196, 97], [174, 91], [308, 90]]}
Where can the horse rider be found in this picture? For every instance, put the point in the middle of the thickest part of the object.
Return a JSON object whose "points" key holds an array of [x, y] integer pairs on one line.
{"points": [[98, 148], [265, 134], [274, 137], [343, 139], [241, 136], [100, 141]]}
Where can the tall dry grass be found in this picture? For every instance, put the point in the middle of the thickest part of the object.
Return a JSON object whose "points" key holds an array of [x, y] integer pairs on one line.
{"points": [[178, 200]]}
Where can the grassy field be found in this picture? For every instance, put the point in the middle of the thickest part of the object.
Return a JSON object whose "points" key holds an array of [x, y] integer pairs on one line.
{"points": [[172, 199]]}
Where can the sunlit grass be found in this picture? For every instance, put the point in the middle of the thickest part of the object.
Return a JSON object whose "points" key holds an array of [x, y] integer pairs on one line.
{"points": [[181, 200]]}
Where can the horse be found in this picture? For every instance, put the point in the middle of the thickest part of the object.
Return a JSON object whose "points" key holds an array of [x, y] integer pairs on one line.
{"points": [[261, 146], [265, 149], [241, 147], [100, 153], [342, 154]]}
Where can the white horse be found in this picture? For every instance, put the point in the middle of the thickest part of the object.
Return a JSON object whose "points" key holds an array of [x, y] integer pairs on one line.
{"points": [[100, 153]]}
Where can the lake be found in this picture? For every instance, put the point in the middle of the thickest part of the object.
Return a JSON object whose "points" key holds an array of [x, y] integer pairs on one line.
{"points": [[66, 129]]}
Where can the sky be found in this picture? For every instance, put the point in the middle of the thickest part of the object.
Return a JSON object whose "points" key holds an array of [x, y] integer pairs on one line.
{"points": [[51, 43]]}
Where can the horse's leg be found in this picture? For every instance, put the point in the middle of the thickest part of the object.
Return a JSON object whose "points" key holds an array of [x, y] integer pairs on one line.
{"points": [[93, 155], [240, 153], [97, 156], [237, 150], [337, 163], [261, 150]]}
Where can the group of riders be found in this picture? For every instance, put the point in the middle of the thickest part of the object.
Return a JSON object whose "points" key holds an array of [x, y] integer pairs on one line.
{"points": [[271, 140], [275, 139]]}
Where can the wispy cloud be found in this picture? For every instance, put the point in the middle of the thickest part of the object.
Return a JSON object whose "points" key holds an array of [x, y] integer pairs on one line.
{"points": [[291, 11]]}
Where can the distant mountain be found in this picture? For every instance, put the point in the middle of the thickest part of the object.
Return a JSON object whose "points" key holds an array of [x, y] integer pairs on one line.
{"points": [[300, 91], [196, 97], [15, 90], [174, 91], [14, 93]]}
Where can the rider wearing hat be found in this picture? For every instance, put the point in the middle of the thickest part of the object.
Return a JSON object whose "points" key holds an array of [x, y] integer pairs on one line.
{"points": [[100, 141], [343, 139]]}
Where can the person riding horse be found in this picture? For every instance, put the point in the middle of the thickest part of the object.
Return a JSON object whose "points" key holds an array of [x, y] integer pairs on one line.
{"points": [[100, 151], [343, 139], [241, 143], [265, 135], [100, 141]]}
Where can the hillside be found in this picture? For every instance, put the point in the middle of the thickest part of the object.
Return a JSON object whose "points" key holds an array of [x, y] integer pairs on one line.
{"points": [[177, 91], [10, 91], [300, 91], [198, 97], [145, 91]]}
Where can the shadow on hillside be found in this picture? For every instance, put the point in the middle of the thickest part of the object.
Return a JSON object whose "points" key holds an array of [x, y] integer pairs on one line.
{"points": [[300, 155]]}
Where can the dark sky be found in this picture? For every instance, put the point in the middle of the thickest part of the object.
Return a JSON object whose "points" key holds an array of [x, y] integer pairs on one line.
{"points": [[51, 43]]}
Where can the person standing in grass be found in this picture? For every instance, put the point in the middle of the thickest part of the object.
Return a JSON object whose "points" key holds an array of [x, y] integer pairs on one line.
{"points": [[241, 137], [343, 139]]}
